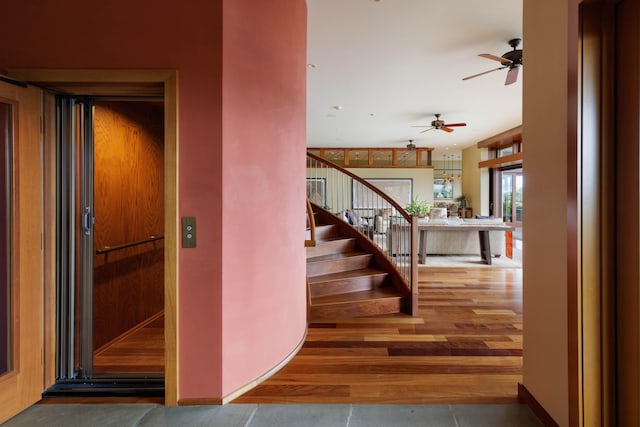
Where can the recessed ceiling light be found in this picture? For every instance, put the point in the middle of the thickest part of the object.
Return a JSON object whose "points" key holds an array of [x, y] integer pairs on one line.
{"points": [[337, 107], [311, 65]]}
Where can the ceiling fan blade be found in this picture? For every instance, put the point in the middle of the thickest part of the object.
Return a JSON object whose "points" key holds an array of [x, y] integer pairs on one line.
{"points": [[446, 129], [512, 76], [430, 128], [495, 58], [449, 125], [483, 73]]}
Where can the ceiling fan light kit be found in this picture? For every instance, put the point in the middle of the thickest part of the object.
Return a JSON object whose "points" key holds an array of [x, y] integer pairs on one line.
{"points": [[438, 124], [511, 60]]}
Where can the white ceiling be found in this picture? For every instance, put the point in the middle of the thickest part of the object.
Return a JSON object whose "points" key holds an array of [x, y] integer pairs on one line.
{"points": [[393, 64]]}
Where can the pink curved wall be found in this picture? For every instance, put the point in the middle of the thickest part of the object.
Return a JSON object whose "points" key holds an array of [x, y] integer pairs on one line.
{"points": [[241, 158], [264, 134]]}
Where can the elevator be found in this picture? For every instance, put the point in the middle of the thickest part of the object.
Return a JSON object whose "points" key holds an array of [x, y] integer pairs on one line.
{"points": [[109, 187]]}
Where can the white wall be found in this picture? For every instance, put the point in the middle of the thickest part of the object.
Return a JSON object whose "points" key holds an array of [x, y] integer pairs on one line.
{"points": [[475, 181], [338, 189], [422, 178]]}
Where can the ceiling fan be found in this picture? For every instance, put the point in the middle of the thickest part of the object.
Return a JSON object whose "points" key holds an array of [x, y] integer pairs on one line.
{"points": [[440, 125], [411, 146], [511, 60]]}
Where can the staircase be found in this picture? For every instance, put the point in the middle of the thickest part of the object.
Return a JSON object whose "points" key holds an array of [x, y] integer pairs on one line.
{"points": [[348, 276]]}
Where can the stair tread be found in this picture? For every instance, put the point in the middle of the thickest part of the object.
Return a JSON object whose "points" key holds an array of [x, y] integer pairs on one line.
{"points": [[347, 275], [337, 255], [343, 277], [323, 227], [333, 238], [350, 297]]}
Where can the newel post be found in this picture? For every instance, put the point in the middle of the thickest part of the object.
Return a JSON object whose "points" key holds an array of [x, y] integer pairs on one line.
{"points": [[414, 265]]}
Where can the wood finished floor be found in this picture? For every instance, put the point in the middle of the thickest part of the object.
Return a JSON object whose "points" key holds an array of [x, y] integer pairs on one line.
{"points": [[141, 351], [464, 347]]}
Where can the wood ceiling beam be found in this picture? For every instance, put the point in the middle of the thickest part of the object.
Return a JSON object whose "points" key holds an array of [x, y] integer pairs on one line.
{"points": [[503, 139]]}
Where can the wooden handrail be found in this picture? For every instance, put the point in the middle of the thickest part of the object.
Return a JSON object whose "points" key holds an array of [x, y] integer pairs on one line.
{"points": [[108, 249], [312, 226], [406, 272], [370, 186]]}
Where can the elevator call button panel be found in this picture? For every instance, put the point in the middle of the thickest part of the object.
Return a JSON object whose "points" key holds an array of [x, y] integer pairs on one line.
{"points": [[188, 231]]}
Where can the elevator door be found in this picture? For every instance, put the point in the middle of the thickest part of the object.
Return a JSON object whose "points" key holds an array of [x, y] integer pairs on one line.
{"points": [[109, 240]]}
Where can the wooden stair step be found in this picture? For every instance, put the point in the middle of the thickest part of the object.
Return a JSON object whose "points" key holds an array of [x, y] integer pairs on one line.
{"points": [[324, 231], [347, 281], [334, 263], [347, 277], [348, 297], [334, 244], [333, 238], [374, 302], [370, 271], [336, 256]]}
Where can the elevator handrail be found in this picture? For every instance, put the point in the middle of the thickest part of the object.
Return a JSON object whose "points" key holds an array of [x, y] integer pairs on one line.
{"points": [[108, 249]]}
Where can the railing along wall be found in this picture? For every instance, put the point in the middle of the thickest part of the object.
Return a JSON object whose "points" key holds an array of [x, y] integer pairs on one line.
{"points": [[378, 217], [108, 249]]}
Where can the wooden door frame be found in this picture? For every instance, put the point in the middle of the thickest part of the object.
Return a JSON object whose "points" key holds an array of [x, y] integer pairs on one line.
{"points": [[123, 82], [604, 369], [627, 171], [593, 353], [21, 384]]}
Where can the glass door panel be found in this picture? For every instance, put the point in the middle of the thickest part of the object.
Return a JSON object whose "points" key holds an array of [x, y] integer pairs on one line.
{"points": [[110, 222], [518, 197], [511, 192], [507, 197], [74, 239], [511, 196]]}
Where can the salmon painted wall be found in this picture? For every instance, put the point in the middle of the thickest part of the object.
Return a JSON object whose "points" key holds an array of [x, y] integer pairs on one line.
{"points": [[187, 36], [264, 134]]}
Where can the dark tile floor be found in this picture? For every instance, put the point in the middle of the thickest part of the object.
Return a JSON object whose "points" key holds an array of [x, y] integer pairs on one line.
{"points": [[250, 415]]}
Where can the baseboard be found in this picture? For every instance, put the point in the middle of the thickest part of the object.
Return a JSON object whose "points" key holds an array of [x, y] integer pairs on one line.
{"points": [[128, 332], [231, 396], [198, 401], [526, 397]]}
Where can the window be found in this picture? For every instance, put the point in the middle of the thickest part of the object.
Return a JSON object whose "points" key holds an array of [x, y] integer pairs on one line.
{"points": [[511, 195], [505, 151], [396, 157]]}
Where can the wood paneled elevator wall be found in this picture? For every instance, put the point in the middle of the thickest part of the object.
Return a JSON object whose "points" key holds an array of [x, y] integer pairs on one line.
{"points": [[128, 207]]}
